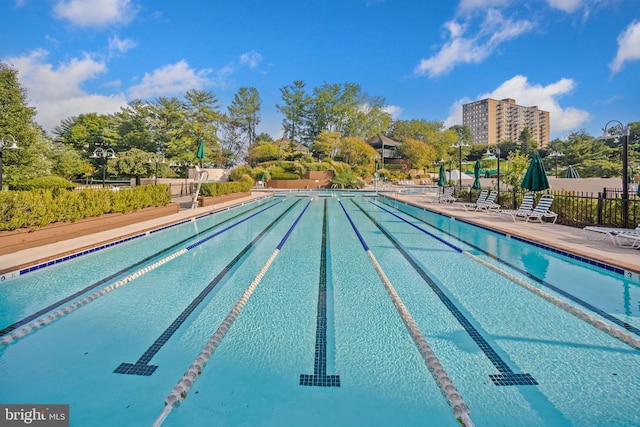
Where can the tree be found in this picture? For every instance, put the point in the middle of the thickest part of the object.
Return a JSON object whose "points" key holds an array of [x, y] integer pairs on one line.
{"points": [[356, 152], [134, 164], [526, 142], [85, 132], [326, 145], [16, 119], [133, 125], [167, 121], [202, 117], [518, 164], [67, 162], [417, 153], [295, 108], [244, 112]]}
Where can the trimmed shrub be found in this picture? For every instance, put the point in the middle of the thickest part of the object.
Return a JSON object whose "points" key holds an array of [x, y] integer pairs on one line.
{"points": [[42, 182], [221, 188], [37, 208], [284, 175]]}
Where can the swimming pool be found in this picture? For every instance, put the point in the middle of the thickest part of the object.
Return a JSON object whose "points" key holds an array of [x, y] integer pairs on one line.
{"points": [[323, 310]]}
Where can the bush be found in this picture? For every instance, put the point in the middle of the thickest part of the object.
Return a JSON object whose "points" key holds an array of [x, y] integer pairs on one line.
{"points": [[238, 172], [284, 175], [37, 208], [221, 188], [42, 182]]}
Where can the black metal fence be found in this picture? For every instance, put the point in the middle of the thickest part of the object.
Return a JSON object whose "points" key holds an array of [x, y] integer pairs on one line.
{"points": [[579, 209]]}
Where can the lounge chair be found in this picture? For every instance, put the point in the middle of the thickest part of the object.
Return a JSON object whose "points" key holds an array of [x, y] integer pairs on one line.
{"points": [[629, 239], [489, 204], [542, 209], [605, 232], [526, 207], [481, 198], [447, 196]]}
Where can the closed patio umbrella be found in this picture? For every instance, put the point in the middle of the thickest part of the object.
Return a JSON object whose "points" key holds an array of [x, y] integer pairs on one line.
{"points": [[476, 174], [200, 152], [536, 177], [571, 173], [442, 177]]}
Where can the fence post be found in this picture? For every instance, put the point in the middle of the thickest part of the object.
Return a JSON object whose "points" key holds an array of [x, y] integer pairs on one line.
{"points": [[600, 204]]}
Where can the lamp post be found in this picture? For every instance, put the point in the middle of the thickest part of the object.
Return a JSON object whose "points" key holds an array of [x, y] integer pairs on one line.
{"points": [[556, 154], [182, 164], [459, 146], [13, 146], [104, 153], [156, 160], [625, 132], [489, 156]]}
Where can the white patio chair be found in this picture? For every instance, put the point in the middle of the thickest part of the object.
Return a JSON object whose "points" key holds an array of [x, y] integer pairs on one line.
{"points": [[543, 210], [602, 233], [489, 204], [447, 196], [526, 207], [481, 198]]}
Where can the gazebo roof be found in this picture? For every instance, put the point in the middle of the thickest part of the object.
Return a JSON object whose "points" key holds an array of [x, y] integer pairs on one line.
{"points": [[378, 140]]}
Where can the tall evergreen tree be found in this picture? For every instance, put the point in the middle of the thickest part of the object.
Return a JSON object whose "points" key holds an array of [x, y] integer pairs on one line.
{"points": [[245, 111]]}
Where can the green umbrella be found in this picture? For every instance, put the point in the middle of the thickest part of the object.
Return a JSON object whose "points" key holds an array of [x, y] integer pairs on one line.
{"points": [[571, 173], [442, 178], [200, 152], [536, 177], [476, 174]]}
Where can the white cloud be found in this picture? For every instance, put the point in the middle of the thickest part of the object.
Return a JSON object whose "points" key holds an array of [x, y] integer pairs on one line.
{"points": [[56, 92], [494, 30], [393, 110], [46, 83], [468, 5], [251, 58], [628, 46], [99, 13], [544, 97], [568, 6], [172, 79], [117, 45]]}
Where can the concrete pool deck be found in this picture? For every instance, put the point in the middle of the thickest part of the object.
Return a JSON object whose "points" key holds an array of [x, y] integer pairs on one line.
{"points": [[564, 238]]}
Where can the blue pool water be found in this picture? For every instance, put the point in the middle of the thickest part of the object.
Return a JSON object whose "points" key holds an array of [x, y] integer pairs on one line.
{"points": [[320, 341]]}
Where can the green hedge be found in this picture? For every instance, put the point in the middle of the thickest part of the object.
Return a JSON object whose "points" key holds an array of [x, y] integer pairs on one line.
{"points": [[284, 175], [43, 182], [37, 208], [222, 188]]}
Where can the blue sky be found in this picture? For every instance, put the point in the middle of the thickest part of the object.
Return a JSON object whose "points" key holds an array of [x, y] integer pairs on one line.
{"points": [[578, 59]]}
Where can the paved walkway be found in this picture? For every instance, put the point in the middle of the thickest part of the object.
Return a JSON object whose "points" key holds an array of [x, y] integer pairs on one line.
{"points": [[568, 239], [33, 256], [565, 238]]}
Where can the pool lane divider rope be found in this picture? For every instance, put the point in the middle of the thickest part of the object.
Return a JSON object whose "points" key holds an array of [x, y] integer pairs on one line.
{"points": [[457, 404], [539, 280], [142, 366], [182, 388], [611, 330], [65, 300], [15, 333], [319, 378], [506, 376]]}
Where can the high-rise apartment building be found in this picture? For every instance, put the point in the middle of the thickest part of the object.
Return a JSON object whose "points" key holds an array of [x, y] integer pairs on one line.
{"points": [[492, 121]]}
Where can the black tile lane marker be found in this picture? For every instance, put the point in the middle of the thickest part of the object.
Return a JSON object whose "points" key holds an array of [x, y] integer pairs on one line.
{"points": [[539, 280], [506, 377], [141, 366], [182, 388], [57, 304], [319, 378]]}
